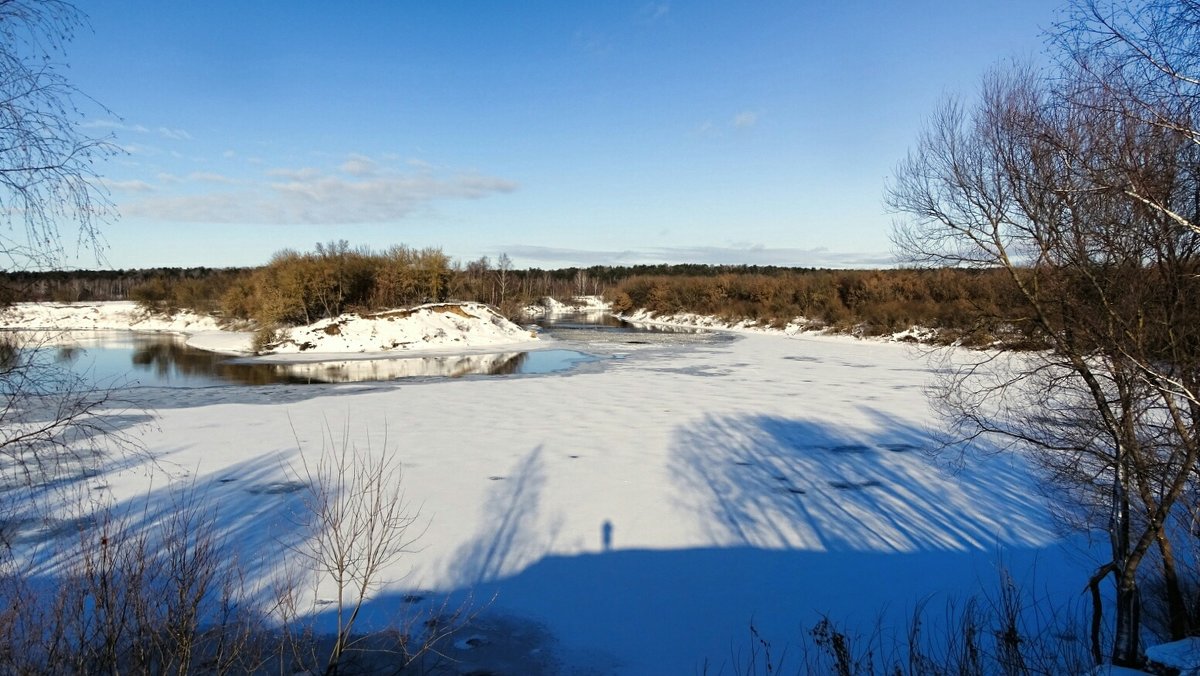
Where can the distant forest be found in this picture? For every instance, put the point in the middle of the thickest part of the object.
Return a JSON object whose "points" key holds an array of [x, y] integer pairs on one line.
{"points": [[973, 306]]}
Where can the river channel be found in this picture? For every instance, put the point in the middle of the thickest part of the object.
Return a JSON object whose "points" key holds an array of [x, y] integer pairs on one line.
{"points": [[138, 359]]}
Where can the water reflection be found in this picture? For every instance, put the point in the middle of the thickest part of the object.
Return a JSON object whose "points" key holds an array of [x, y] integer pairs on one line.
{"points": [[66, 354], [602, 322], [602, 330], [359, 370], [166, 361]]}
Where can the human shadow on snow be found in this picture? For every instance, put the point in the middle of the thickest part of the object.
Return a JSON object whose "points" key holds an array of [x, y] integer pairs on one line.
{"points": [[803, 518]]}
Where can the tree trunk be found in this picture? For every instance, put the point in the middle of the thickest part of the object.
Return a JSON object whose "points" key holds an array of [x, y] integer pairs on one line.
{"points": [[1178, 619], [1127, 623], [1126, 648]]}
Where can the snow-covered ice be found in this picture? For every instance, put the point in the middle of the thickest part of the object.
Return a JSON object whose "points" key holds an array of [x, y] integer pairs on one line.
{"points": [[646, 511]]}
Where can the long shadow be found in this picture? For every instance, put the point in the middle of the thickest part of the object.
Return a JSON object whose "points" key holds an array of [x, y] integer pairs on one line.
{"points": [[773, 482], [668, 611], [511, 535], [802, 518], [256, 509], [805, 519], [506, 538]]}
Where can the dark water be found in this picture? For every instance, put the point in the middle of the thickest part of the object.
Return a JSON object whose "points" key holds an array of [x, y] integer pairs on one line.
{"points": [[163, 360], [600, 327], [159, 360]]}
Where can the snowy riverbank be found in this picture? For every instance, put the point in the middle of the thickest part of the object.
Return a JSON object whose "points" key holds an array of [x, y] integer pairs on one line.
{"points": [[793, 327], [105, 316], [640, 514], [446, 327]]}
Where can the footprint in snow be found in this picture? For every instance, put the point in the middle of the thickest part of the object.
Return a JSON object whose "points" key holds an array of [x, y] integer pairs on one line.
{"points": [[854, 485], [276, 488]]}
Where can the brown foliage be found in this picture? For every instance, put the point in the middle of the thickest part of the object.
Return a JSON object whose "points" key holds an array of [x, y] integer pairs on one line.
{"points": [[871, 301]]}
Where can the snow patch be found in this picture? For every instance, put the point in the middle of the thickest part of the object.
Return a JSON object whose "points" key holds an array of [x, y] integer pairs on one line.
{"points": [[105, 316], [433, 326], [793, 327], [579, 304], [436, 326], [1182, 656]]}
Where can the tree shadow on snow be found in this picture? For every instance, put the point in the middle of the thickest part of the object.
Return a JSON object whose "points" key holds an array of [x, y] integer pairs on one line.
{"points": [[804, 518], [509, 536], [773, 482], [255, 511]]}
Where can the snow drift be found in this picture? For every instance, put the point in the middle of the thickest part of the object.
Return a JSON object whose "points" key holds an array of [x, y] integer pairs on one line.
{"points": [[433, 326]]}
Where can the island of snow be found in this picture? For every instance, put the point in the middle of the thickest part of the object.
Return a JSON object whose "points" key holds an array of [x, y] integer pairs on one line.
{"points": [[437, 326]]}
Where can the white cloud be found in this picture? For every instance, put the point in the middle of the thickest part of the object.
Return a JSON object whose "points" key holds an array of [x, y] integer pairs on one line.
{"points": [[174, 134], [117, 125], [359, 165], [737, 254], [745, 119], [301, 174], [308, 196], [126, 186], [591, 43], [210, 177], [654, 11], [138, 149]]}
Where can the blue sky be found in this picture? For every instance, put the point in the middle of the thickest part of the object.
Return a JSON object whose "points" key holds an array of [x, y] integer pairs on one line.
{"points": [[561, 133]]}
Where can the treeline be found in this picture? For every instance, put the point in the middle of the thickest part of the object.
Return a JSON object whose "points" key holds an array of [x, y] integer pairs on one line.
{"points": [[968, 305], [301, 287], [75, 286]]}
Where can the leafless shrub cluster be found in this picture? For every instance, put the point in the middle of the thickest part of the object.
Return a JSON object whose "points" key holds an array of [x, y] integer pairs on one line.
{"points": [[156, 590], [1007, 632]]}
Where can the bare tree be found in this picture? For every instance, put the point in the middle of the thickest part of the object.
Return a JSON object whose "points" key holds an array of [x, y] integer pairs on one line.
{"points": [[47, 173], [360, 526], [503, 267], [1049, 179], [47, 181]]}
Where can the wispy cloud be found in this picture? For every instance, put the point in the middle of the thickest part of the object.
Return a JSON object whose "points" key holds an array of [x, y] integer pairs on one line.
{"points": [[174, 134], [119, 126], [748, 254], [653, 11], [114, 125], [301, 174], [361, 191], [593, 44], [745, 119], [359, 165], [126, 186], [210, 177]]}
